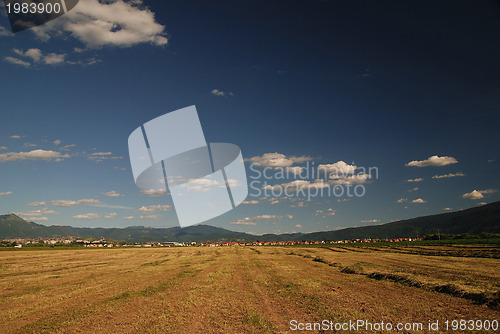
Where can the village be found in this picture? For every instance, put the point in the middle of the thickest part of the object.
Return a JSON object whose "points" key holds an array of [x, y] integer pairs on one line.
{"points": [[103, 243]]}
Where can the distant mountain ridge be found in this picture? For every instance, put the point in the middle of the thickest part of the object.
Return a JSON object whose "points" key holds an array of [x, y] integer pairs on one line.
{"points": [[475, 220]]}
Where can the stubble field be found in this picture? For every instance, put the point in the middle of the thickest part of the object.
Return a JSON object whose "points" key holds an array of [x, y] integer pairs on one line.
{"points": [[244, 289]]}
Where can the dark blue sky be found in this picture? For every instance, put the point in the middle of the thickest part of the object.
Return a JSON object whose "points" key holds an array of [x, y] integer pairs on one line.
{"points": [[368, 83]]}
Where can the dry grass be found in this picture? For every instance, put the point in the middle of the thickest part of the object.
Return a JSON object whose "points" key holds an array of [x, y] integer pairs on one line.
{"points": [[229, 290]]}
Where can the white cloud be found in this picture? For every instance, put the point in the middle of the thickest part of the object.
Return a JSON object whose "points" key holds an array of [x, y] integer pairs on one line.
{"points": [[34, 56], [298, 226], [111, 23], [448, 175], [3, 148], [36, 204], [371, 221], [88, 216], [200, 185], [243, 222], [295, 170], [250, 202], [57, 142], [40, 219], [418, 200], [111, 215], [415, 180], [54, 58], [154, 192], [113, 193], [6, 193], [478, 194], [277, 160], [217, 92], [251, 220], [68, 203], [401, 200], [15, 137], [101, 156], [37, 213], [17, 61], [32, 155], [336, 169], [435, 161], [414, 189], [447, 209], [5, 32], [147, 217], [153, 208]]}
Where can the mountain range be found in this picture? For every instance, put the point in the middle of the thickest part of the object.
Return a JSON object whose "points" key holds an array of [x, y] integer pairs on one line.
{"points": [[475, 220]]}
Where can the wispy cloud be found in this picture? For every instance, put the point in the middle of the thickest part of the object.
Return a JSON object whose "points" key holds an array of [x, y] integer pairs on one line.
{"points": [[415, 180], [69, 203], [147, 217], [37, 213], [217, 92], [36, 204], [6, 193], [154, 192], [153, 208], [32, 155], [448, 175], [113, 193]]}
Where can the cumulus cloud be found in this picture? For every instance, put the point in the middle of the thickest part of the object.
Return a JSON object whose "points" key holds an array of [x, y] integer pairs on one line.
{"points": [[69, 203], [98, 24], [153, 208], [401, 200], [336, 169], [57, 142], [154, 192], [478, 194], [113, 193], [6, 193], [217, 92], [435, 161], [110, 215], [32, 155], [448, 175], [418, 200], [36, 204], [277, 160], [298, 226], [415, 180]]}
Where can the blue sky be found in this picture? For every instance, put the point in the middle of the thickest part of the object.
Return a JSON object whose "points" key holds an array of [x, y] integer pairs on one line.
{"points": [[370, 85]]}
